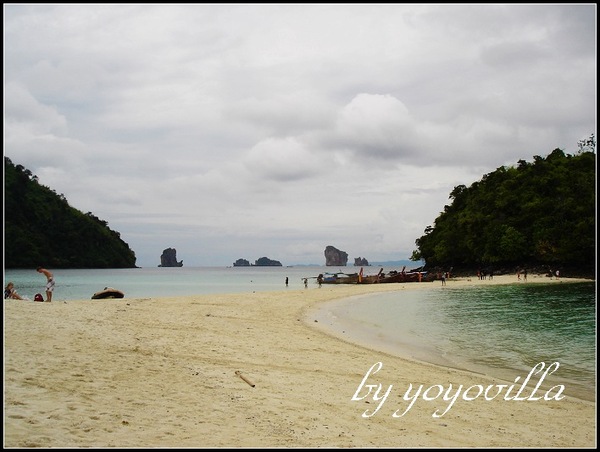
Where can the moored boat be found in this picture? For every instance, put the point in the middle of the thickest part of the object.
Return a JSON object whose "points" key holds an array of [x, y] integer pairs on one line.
{"points": [[405, 277], [338, 278], [370, 279]]}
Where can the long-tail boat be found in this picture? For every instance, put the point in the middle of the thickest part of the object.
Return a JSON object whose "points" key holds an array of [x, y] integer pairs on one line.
{"points": [[370, 279], [338, 278], [404, 277]]}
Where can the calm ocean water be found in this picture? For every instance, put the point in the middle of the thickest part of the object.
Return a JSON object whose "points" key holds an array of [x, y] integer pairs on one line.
{"points": [[146, 282], [501, 330]]}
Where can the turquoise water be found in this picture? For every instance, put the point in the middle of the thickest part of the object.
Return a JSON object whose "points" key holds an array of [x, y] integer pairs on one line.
{"points": [[81, 284], [502, 330]]}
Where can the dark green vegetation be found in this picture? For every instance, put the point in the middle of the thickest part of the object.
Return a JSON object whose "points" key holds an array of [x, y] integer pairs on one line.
{"points": [[266, 262], [539, 214], [260, 262], [41, 229]]}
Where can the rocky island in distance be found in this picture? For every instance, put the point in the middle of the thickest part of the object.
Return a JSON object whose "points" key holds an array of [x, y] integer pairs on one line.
{"points": [[169, 258], [333, 257], [261, 262]]}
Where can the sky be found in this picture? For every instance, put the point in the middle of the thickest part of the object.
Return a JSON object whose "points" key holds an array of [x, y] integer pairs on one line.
{"points": [[231, 131]]}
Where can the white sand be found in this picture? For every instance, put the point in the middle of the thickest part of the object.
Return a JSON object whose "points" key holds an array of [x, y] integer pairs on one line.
{"points": [[162, 373]]}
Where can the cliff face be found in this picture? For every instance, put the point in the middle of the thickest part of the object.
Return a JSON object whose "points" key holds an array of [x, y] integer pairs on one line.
{"points": [[169, 258], [335, 257], [361, 262]]}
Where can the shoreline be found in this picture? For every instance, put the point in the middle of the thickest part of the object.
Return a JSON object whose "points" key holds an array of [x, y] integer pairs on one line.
{"points": [[333, 318], [167, 372]]}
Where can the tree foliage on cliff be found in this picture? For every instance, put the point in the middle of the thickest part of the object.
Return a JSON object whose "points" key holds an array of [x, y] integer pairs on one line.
{"points": [[41, 228], [266, 262], [539, 213]]}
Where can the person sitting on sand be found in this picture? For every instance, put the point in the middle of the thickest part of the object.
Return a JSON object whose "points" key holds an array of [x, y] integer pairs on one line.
{"points": [[10, 292]]}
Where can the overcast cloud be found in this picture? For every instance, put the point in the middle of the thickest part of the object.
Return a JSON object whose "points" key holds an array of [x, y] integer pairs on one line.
{"points": [[242, 131]]}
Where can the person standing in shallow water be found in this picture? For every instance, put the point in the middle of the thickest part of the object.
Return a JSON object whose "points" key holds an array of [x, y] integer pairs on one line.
{"points": [[49, 282]]}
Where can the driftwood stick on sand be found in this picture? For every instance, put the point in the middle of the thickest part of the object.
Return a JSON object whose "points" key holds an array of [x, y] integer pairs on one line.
{"points": [[239, 374]]}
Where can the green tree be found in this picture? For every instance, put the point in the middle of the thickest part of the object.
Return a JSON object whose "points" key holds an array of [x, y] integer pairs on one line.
{"points": [[43, 229], [534, 213]]}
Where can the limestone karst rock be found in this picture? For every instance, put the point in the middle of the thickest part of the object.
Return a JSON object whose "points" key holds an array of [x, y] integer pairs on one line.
{"points": [[335, 257], [361, 262], [169, 258]]}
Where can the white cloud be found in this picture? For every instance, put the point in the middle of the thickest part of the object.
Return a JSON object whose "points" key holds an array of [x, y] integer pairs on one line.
{"points": [[232, 130], [282, 160]]}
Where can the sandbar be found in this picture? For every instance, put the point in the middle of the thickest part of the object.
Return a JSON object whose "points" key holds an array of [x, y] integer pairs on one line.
{"points": [[244, 371]]}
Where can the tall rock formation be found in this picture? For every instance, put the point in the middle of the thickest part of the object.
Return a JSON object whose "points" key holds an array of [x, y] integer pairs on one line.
{"points": [[335, 257], [169, 258], [361, 262]]}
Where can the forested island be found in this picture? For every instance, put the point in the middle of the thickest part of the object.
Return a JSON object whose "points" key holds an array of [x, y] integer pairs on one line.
{"points": [[538, 214], [260, 262], [41, 228]]}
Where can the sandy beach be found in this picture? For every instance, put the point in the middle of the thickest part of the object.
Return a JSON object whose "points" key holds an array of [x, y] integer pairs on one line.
{"points": [[251, 370]]}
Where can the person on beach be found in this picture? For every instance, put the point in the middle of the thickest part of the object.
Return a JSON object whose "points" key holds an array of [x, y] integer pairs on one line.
{"points": [[287, 281], [49, 282], [10, 292], [443, 278]]}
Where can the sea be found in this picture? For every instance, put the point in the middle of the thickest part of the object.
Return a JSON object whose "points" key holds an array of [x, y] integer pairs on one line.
{"points": [[498, 330]]}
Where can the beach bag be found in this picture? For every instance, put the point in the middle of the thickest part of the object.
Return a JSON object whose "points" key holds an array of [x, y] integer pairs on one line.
{"points": [[38, 297]]}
